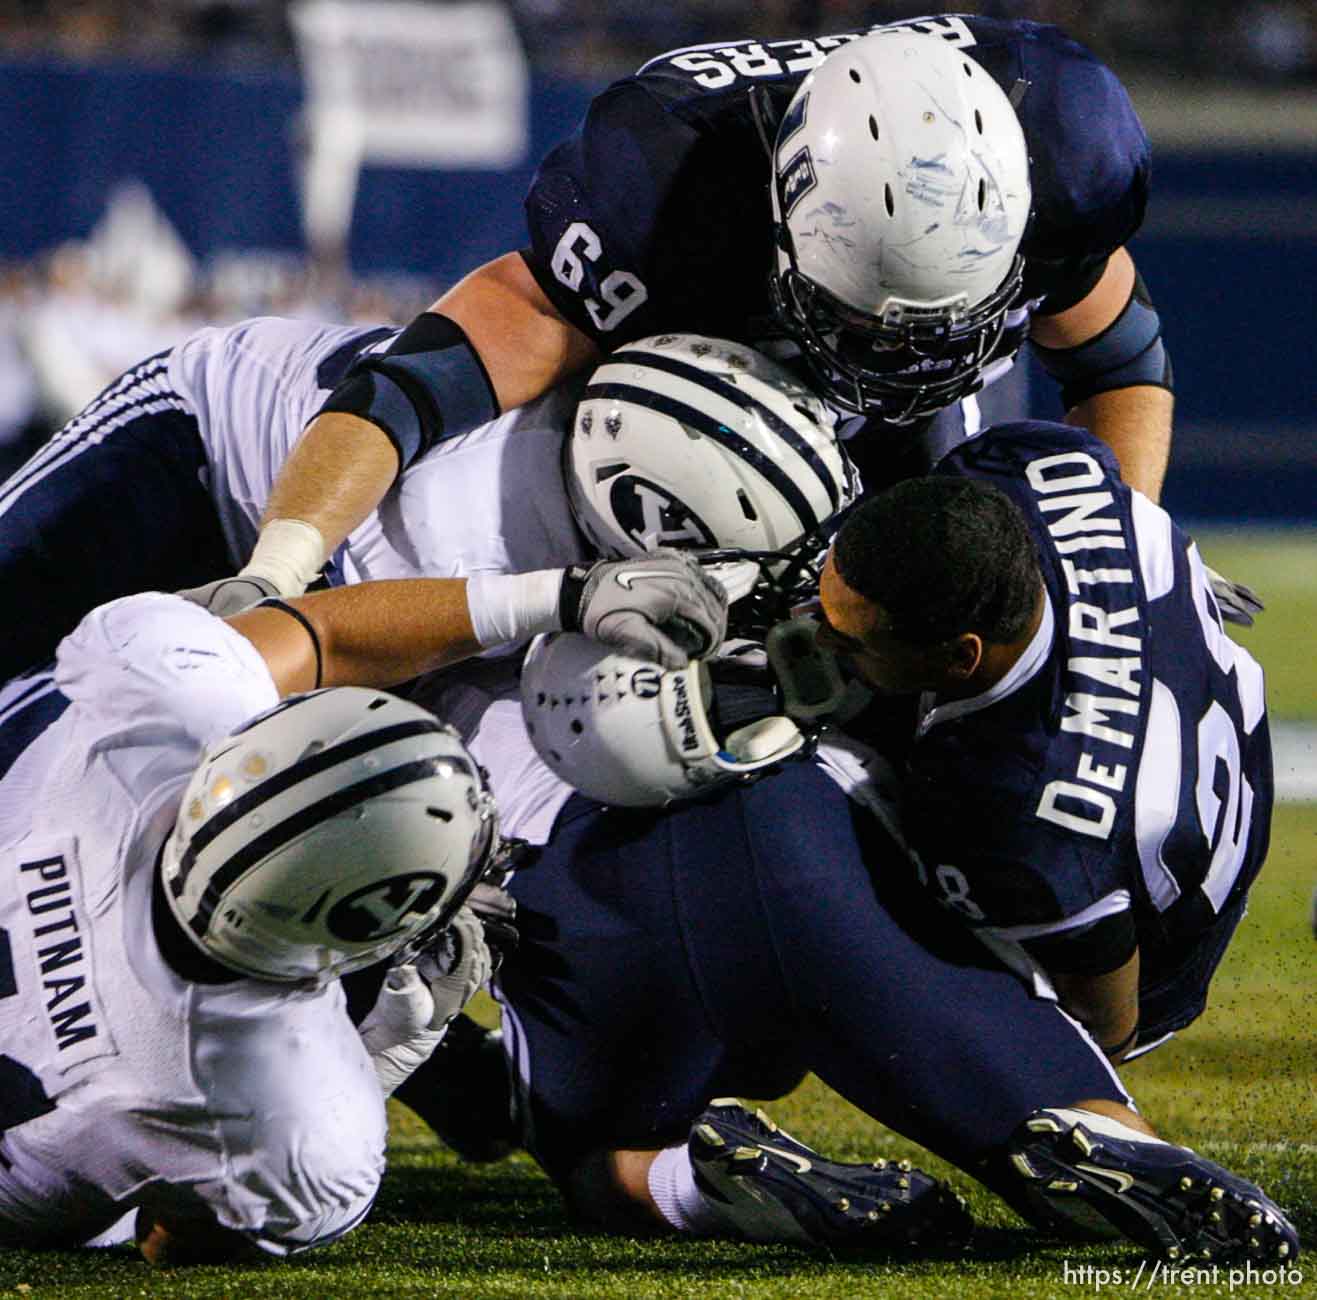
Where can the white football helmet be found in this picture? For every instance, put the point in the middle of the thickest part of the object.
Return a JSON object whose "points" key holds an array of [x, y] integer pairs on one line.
{"points": [[327, 834], [900, 196], [628, 732], [681, 440]]}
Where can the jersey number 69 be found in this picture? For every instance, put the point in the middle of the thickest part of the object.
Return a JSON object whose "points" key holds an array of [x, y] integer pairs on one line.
{"points": [[574, 263]]}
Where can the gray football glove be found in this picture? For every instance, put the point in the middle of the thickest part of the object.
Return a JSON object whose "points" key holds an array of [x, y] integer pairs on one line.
{"points": [[662, 606], [1237, 602], [228, 596]]}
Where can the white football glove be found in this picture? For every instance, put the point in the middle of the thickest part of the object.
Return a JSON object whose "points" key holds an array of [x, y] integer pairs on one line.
{"points": [[421, 997], [663, 606]]}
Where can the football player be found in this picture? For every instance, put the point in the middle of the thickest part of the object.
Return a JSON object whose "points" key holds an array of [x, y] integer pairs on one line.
{"points": [[182, 893], [159, 485], [1088, 769], [259, 893], [900, 208], [734, 942]]}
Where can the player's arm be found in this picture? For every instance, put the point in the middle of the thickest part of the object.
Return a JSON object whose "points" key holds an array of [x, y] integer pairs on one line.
{"points": [[374, 634], [662, 606], [1106, 351], [493, 342], [1094, 968], [1107, 1005]]}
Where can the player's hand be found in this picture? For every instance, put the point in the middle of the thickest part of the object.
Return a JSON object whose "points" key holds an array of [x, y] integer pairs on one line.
{"points": [[497, 910], [228, 596], [420, 997], [169, 1241], [455, 966], [1238, 603], [662, 606]]}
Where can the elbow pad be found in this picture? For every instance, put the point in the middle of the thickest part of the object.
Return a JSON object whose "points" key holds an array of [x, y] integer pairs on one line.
{"points": [[1128, 353], [431, 384]]}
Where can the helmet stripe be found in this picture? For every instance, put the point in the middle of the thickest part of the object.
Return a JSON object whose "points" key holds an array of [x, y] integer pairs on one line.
{"points": [[720, 433], [312, 815], [731, 393], [279, 782]]}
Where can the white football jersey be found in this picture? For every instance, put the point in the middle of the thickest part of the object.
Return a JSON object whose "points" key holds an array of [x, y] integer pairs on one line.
{"points": [[490, 501], [124, 1083]]}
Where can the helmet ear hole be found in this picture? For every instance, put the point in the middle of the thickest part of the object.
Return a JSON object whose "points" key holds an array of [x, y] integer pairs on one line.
{"points": [[873, 126], [890, 200]]}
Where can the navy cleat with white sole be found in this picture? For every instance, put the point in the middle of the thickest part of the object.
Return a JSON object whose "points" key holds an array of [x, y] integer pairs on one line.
{"points": [[1088, 1170], [766, 1186]]}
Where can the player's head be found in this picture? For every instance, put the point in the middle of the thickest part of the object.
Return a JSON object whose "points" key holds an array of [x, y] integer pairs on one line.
{"points": [[925, 575], [628, 732], [681, 440], [327, 834], [900, 196]]}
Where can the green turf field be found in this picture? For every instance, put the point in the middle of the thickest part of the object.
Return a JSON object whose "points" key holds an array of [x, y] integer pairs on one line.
{"points": [[1240, 1086]]}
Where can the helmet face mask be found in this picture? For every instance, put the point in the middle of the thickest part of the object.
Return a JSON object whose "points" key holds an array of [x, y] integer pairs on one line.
{"points": [[788, 578], [904, 367], [338, 829], [900, 196]]}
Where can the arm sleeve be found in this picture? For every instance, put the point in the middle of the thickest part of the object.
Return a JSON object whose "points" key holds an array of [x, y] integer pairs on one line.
{"points": [[598, 209], [1094, 949], [1089, 165]]}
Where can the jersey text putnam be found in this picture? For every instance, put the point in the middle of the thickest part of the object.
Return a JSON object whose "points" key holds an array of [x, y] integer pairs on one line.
{"points": [[60, 953]]}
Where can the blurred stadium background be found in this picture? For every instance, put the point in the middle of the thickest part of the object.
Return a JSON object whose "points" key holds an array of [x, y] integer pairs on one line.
{"points": [[169, 163], [175, 162]]}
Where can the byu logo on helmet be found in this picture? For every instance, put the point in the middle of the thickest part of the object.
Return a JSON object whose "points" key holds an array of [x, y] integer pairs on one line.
{"points": [[325, 835], [382, 907], [653, 517]]}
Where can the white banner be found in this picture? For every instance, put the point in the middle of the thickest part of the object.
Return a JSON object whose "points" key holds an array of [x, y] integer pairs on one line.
{"points": [[412, 84]]}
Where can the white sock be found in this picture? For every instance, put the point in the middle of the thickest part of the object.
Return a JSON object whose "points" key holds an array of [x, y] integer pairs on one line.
{"points": [[680, 1201]]}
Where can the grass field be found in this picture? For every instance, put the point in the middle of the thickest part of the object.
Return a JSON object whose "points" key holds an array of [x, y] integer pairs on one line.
{"points": [[1240, 1086]]}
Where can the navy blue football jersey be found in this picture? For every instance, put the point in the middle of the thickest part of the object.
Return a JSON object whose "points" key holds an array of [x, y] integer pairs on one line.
{"points": [[656, 215], [1124, 764]]}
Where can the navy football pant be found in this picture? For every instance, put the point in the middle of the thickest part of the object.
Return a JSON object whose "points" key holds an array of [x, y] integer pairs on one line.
{"points": [[115, 503], [731, 945]]}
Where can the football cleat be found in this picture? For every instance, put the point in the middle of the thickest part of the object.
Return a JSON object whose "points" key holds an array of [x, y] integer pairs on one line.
{"points": [[765, 1186], [464, 1093], [1090, 1170]]}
